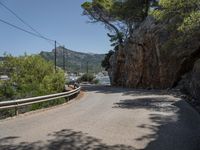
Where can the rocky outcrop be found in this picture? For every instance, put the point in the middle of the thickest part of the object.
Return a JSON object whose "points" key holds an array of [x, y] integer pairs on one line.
{"points": [[147, 60], [195, 81], [190, 83]]}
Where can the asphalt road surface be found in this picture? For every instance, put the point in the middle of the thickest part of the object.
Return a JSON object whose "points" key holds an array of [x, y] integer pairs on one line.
{"points": [[107, 118]]}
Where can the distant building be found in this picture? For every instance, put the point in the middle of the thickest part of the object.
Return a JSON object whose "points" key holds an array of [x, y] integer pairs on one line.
{"points": [[4, 78], [100, 74]]}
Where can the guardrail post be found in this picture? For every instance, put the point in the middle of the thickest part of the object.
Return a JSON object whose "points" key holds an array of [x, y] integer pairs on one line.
{"points": [[16, 110]]}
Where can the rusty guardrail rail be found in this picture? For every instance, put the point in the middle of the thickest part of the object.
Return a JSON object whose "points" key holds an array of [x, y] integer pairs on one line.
{"points": [[28, 101]]}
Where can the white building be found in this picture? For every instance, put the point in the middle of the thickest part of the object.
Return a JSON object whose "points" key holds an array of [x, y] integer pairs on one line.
{"points": [[4, 77]]}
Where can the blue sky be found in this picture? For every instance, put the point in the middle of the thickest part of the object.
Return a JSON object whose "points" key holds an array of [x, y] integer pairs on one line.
{"points": [[56, 19]]}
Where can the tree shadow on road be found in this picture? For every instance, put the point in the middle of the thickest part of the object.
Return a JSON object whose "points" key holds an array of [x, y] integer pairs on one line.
{"points": [[8, 143], [62, 140], [128, 91], [174, 125], [161, 104]]}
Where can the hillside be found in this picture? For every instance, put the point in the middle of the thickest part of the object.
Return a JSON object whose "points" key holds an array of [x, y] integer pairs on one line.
{"points": [[75, 61]]}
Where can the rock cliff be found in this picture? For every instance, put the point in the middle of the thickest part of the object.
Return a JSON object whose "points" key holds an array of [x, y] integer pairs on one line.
{"points": [[146, 60]]}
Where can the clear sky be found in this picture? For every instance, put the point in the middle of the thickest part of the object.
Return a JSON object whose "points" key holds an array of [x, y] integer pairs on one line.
{"points": [[59, 20]]}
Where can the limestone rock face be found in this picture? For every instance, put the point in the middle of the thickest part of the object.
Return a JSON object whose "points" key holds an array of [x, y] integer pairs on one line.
{"points": [[190, 83], [195, 81], [145, 61]]}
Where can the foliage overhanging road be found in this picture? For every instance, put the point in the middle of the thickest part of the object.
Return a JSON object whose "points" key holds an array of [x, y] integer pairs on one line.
{"points": [[107, 118]]}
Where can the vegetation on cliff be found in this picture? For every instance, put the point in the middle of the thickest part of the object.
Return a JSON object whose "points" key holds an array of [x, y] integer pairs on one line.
{"points": [[121, 18], [105, 63], [184, 16]]}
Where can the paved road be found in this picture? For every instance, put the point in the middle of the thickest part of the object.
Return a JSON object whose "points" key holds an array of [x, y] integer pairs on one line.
{"points": [[107, 118]]}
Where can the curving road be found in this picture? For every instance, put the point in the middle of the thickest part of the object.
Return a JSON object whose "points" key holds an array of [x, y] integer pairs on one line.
{"points": [[107, 118]]}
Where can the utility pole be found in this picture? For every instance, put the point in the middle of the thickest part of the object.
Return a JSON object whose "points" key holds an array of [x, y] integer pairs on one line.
{"points": [[55, 56], [64, 58], [67, 62], [80, 67], [87, 67]]}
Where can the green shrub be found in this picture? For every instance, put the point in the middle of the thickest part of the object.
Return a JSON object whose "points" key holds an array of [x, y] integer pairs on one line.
{"points": [[30, 76], [48, 104], [95, 81], [86, 78]]}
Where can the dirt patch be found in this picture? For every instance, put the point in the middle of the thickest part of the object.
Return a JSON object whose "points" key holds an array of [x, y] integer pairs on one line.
{"points": [[80, 95]]}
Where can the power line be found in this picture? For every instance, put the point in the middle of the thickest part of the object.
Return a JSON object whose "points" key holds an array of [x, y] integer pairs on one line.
{"points": [[29, 32], [24, 22], [34, 33]]}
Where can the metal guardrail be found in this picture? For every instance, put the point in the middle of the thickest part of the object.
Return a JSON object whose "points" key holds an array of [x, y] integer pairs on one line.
{"points": [[28, 101]]}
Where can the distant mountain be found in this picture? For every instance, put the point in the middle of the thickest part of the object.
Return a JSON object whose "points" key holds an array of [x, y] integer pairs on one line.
{"points": [[75, 61]]}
